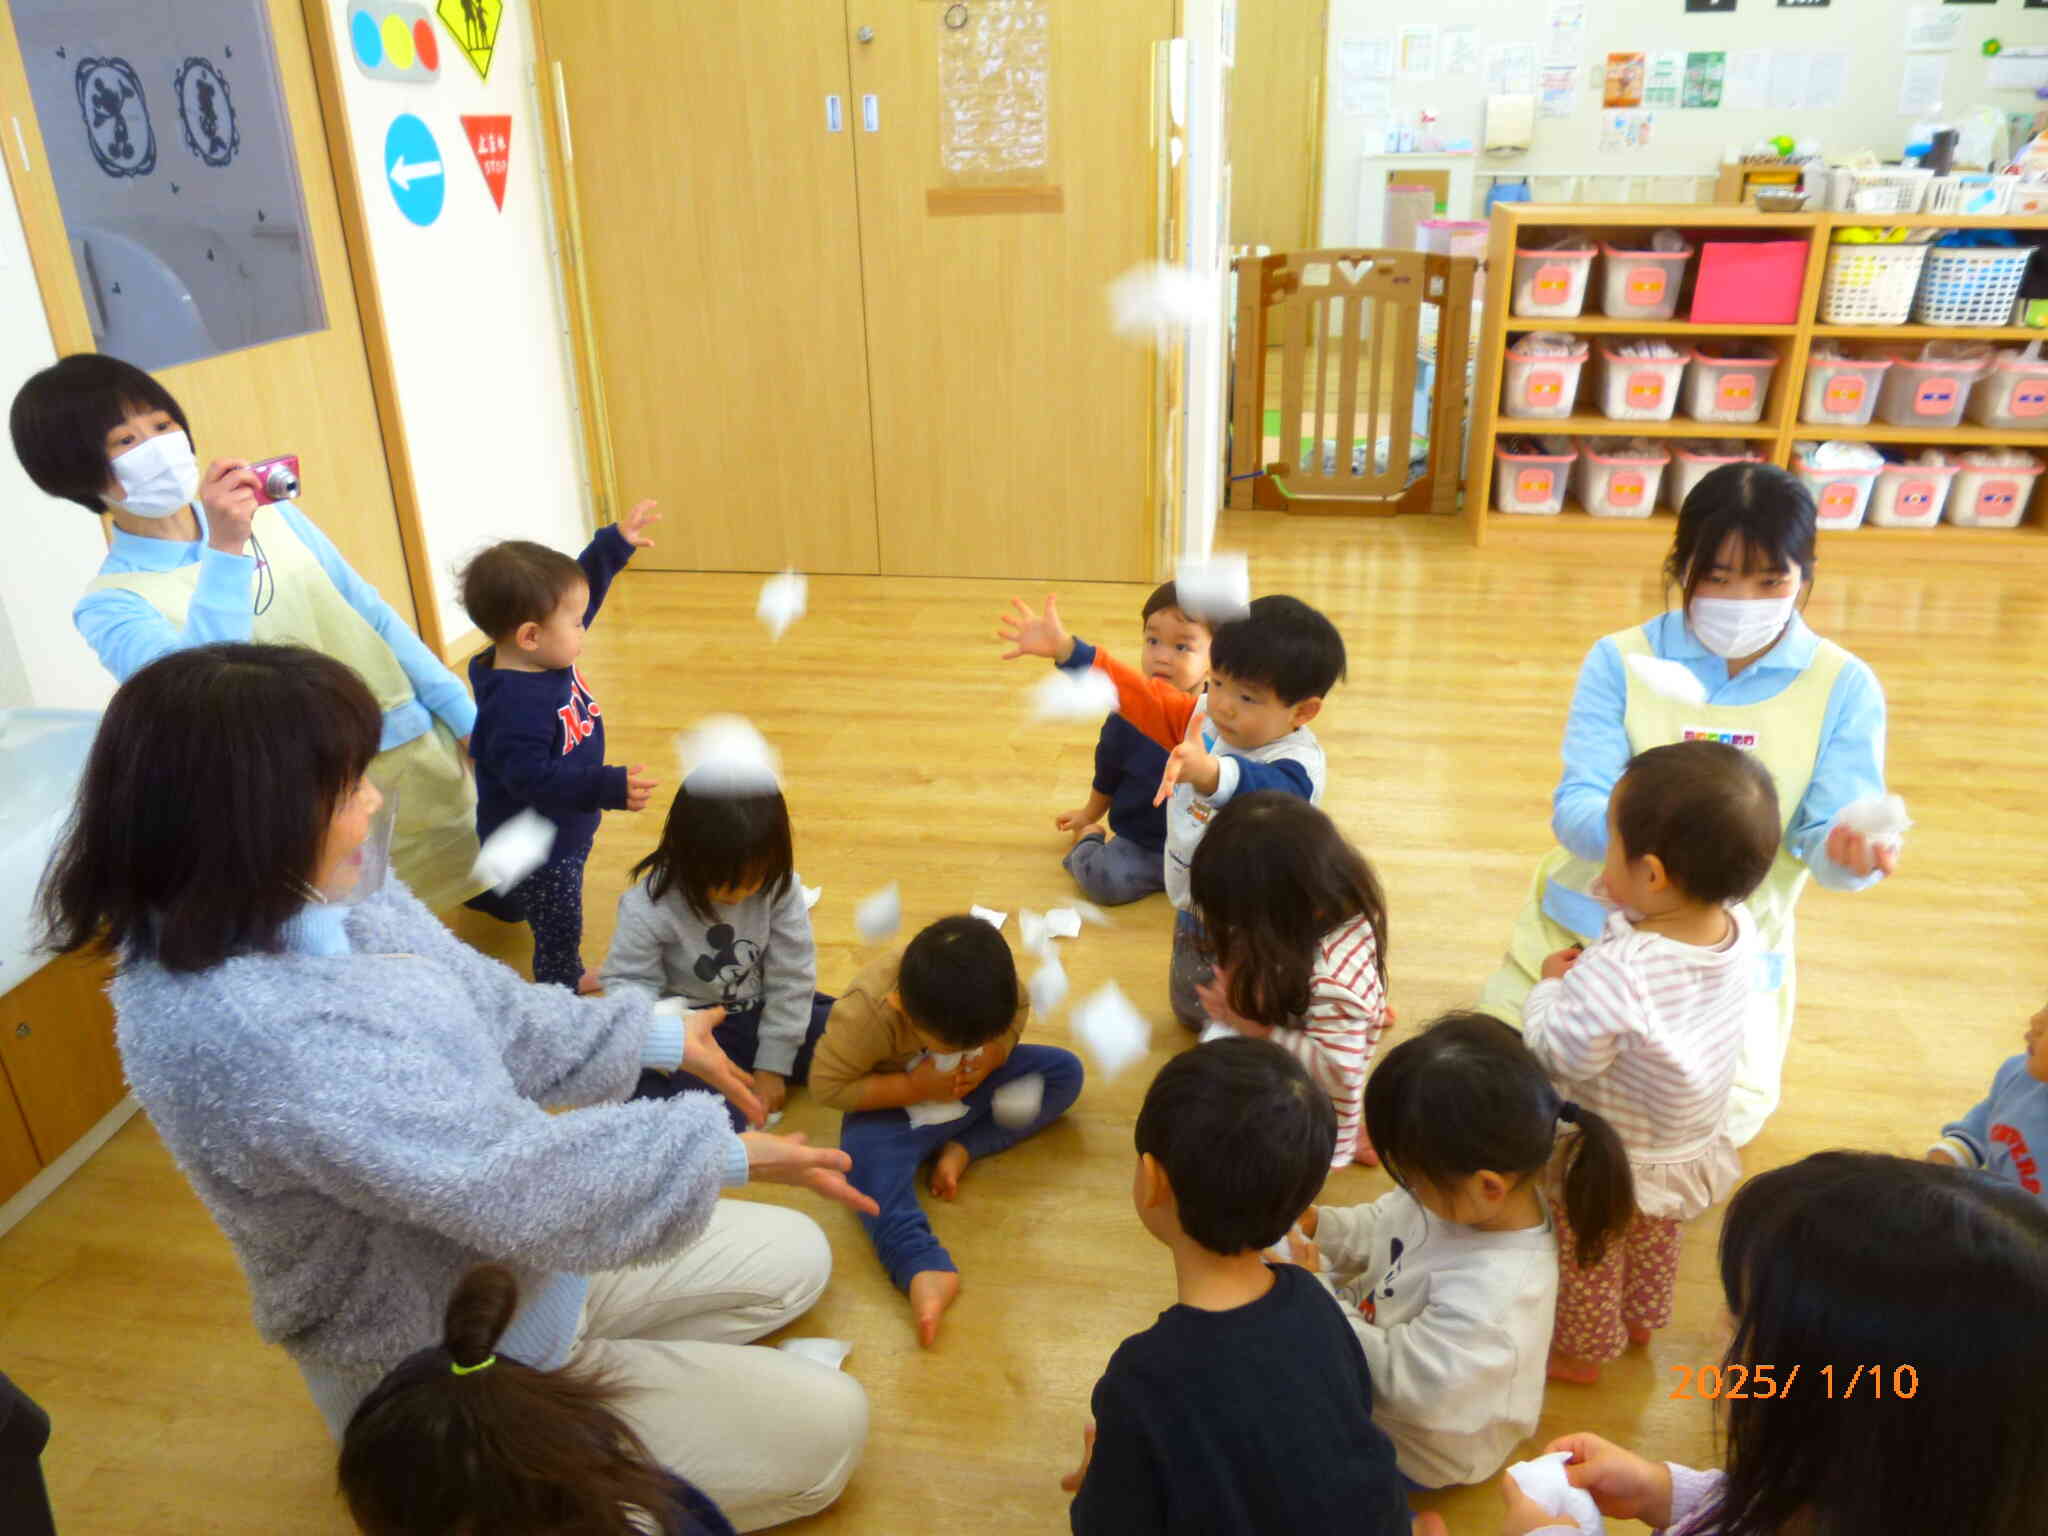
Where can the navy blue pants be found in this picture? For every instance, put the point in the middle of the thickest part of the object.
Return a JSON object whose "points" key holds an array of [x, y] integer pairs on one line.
{"points": [[739, 1035], [24, 1431], [550, 902], [887, 1149]]}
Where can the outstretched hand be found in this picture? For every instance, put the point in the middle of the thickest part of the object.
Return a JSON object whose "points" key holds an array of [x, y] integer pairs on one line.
{"points": [[793, 1161], [1034, 634], [1073, 1480], [633, 526], [1192, 764], [705, 1058]]}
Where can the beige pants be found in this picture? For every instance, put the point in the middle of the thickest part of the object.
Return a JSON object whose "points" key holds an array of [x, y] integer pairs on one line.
{"points": [[769, 1436]]}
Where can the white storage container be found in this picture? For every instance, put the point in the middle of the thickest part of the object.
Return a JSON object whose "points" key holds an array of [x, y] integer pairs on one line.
{"points": [[1842, 391], [1992, 498], [1551, 283], [1840, 496], [1879, 189], [1910, 495], [1615, 481], [1970, 285], [1541, 387], [1728, 389], [1693, 462], [1641, 285], [1870, 284], [1926, 394], [1533, 482], [1639, 388], [2013, 394]]}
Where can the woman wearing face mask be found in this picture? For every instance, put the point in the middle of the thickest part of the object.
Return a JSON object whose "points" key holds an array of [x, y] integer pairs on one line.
{"points": [[193, 559], [1814, 715]]}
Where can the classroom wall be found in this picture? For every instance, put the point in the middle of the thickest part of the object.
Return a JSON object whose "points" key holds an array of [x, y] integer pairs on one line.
{"points": [[1871, 32], [474, 313]]}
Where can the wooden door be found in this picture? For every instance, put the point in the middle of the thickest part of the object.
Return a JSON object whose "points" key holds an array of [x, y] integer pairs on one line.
{"points": [[723, 261], [1275, 111], [57, 1041], [309, 394], [1012, 429]]}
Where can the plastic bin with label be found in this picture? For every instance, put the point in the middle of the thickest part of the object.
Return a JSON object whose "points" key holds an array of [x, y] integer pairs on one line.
{"points": [[1615, 481], [1728, 389], [1992, 497], [1533, 482], [1454, 237], [1541, 387], [1639, 388], [1641, 285], [1551, 282], [1842, 391], [1840, 496], [1910, 495], [1927, 394], [2013, 394], [1693, 462]]}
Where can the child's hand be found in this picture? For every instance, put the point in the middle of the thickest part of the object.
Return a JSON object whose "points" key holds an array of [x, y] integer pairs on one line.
{"points": [[772, 1089], [1073, 1480], [1622, 1483], [633, 526], [1214, 995], [1859, 855], [1556, 965], [974, 1069], [639, 788], [1524, 1513], [934, 1084], [1034, 635], [1304, 1253], [228, 493], [1074, 823], [1307, 1221], [1188, 763]]}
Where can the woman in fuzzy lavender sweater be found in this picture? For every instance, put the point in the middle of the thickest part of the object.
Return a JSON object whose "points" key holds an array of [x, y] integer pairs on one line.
{"points": [[368, 1107]]}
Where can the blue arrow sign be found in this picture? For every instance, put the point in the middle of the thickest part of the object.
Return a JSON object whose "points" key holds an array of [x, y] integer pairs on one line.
{"points": [[412, 168]]}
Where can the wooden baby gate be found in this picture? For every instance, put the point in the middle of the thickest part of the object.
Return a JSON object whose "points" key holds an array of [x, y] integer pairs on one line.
{"points": [[1340, 317]]}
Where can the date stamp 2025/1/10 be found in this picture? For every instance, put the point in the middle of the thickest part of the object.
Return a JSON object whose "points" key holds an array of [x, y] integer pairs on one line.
{"points": [[1763, 1382]]}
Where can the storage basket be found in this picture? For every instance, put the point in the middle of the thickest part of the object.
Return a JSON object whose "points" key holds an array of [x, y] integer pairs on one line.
{"points": [[1926, 394], [1992, 498], [1842, 391], [1622, 483], [2012, 395], [1910, 495], [1693, 462], [1882, 189], [1728, 389], [1973, 193], [1870, 284], [1539, 388], [1970, 285], [1639, 388], [1641, 285], [1551, 283], [1533, 482], [1840, 496]]}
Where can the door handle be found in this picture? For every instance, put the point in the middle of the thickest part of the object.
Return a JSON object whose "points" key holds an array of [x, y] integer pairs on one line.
{"points": [[864, 35], [871, 112]]}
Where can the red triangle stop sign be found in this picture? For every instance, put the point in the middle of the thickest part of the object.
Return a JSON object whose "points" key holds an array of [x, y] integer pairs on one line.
{"points": [[491, 138]]}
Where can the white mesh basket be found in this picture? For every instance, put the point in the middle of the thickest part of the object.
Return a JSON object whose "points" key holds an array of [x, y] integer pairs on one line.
{"points": [[1870, 284], [1971, 285]]}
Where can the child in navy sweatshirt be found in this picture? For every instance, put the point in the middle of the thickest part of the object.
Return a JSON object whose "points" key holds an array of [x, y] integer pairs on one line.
{"points": [[2007, 1133], [539, 738]]}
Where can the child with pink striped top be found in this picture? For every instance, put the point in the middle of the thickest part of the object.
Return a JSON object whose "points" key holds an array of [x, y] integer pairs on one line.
{"points": [[1645, 1027], [1298, 928]]}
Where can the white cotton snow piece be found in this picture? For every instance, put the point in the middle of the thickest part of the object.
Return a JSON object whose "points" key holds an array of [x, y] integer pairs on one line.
{"points": [[938, 1111], [1063, 923], [1031, 932], [724, 755], [878, 917], [830, 1353], [990, 916], [1672, 679], [1048, 985], [783, 598], [1088, 912], [1065, 694], [811, 895], [1156, 301], [1881, 818], [1114, 1032], [514, 851], [1215, 590], [1017, 1103], [1543, 1479]]}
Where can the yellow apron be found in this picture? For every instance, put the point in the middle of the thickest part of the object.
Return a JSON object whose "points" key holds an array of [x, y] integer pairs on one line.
{"points": [[1785, 734], [433, 843]]}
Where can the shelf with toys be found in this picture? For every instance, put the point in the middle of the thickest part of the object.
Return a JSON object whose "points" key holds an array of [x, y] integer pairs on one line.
{"points": [[1627, 350]]}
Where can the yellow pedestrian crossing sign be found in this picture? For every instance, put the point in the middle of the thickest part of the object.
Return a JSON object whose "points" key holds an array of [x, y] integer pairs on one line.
{"points": [[474, 26]]}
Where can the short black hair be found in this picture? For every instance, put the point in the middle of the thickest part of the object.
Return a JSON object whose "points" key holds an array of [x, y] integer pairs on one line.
{"points": [[958, 982], [1282, 644], [1167, 595], [1245, 1136], [1707, 810], [206, 798], [62, 415], [714, 841], [1765, 506], [514, 583]]}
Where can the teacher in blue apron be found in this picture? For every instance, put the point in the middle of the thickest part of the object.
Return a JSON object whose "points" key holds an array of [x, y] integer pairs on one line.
{"points": [[1733, 662]]}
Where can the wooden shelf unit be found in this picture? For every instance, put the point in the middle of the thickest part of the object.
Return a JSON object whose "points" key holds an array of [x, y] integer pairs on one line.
{"points": [[1780, 427]]}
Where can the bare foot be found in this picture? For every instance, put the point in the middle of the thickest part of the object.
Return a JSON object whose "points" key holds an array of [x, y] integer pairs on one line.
{"points": [[589, 982], [1365, 1157], [1638, 1335], [1570, 1368], [946, 1170], [1430, 1523], [931, 1292]]}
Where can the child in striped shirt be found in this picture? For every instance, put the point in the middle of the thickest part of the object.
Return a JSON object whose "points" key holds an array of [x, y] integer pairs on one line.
{"points": [[1298, 927], [1646, 1026]]}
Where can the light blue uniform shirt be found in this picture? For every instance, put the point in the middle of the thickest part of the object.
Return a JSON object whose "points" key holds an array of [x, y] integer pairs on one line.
{"points": [[128, 632], [1596, 748]]}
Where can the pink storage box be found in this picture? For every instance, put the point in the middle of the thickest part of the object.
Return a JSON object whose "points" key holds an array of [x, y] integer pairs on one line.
{"points": [[1455, 237], [1910, 495], [1693, 462], [1619, 484], [2013, 394], [1539, 387], [1533, 482], [1840, 496], [1842, 391], [1749, 282], [1992, 498], [1926, 394]]}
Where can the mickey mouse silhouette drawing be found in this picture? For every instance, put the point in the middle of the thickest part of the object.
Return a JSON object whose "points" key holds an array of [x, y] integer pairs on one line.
{"points": [[733, 965]]}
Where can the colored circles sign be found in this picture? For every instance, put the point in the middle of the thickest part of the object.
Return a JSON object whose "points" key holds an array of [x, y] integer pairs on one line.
{"points": [[413, 169], [394, 40]]}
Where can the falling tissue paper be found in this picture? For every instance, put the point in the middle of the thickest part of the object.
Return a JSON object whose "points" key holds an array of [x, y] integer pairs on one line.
{"points": [[1114, 1032], [1156, 301], [878, 917], [514, 851], [1672, 679], [1017, 1103], [990, 916], [782, 602], [724, 755], [1068, 695], [1215, 590], [1048, 985]]}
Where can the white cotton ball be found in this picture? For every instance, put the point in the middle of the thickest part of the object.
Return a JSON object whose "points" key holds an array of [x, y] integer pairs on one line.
{"points": [[1065, 694], [514, 851], [1114, 1032], [878, 917], [1157, 301], [1215, 590], [1048, 985], [1017, 1103], [989, 915], [783, 599], [1672, 679], [726, 755], [1881, 818]]}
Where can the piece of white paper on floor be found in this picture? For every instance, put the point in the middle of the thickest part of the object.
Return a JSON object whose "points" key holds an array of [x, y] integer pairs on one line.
{"points": [[724, 755], [1215, 590], [1542, 1479], [1090, 913], [830, 1353], [783, 598], [1066, 695], [519, 847], [1031, 931], [1048, 985], [1114, 1032], [879, 916], [1881, 818], [811, 895], [1672, 679], [990, 916], [1063, 923], [932, 1111], [1017, 1103]]}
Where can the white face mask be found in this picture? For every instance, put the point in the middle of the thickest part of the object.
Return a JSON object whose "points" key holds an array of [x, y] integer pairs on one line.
{"points": [[1733, 627], [159, 477]]}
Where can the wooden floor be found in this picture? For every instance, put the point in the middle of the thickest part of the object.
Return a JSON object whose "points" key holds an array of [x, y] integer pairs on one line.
{"points": [[908, 757]]}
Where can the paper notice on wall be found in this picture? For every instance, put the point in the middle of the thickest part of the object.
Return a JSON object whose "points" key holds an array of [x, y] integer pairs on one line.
{"points": [[1749, 80], [1415, 53], [1364, 66], [1704, 77], [1511, 70], [1931, 28], [1625, 130], [2019, 69], [1788, 80], [1368, 98], [1664, 82], [1920, 85], [1624, 83], [1564, 33], [1827, 79], [1558, 96], [1461, 51]]}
